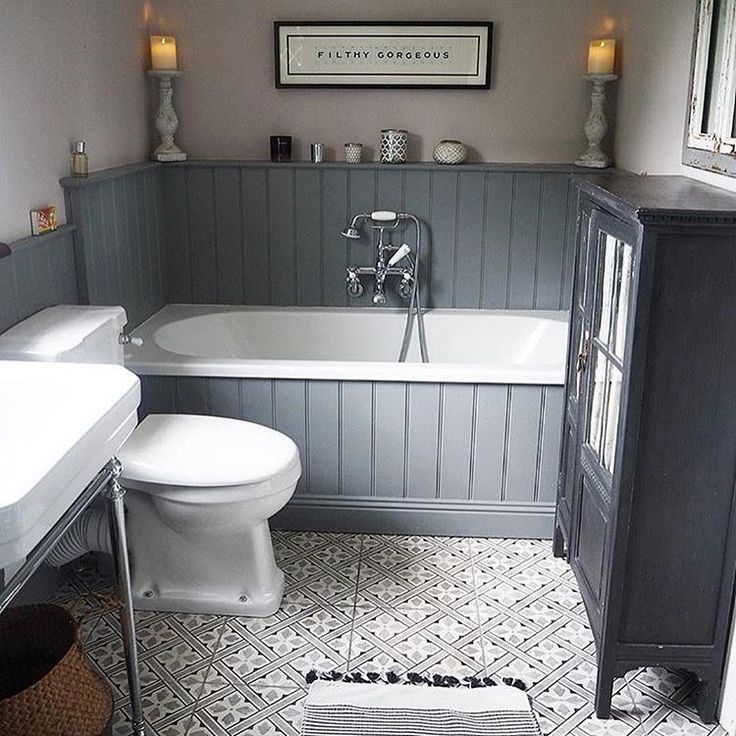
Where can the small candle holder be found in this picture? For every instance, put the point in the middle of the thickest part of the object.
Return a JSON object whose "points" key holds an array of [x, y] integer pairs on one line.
{"points": [[596, 125], [166, 121]]}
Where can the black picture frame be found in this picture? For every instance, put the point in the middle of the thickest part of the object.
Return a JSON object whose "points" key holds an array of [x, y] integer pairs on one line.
{"points": [[484, 71]]}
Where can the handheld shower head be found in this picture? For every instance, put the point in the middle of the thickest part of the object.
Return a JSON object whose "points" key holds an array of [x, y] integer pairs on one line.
{"points": [[350, 232]]}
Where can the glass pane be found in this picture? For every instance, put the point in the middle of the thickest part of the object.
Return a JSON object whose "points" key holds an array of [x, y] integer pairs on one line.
{"points": [[613, 409], [716, 61], [594, 432], [583, 258], [623, 290], [607, 274]]}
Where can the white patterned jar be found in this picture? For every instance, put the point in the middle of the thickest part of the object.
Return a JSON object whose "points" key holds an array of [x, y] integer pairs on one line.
{"points": [[353, 153], [450, 152], [394, 143]]}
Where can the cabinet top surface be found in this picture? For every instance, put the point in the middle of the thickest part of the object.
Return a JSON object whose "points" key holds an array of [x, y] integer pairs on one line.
{"points": [[661, 198]]}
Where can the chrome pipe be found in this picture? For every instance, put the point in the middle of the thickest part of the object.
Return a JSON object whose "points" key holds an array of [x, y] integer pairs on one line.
{"points": [[115, 493]]}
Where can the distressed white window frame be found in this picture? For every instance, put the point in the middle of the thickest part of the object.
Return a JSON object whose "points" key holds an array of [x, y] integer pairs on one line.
{"points": [[716, 149]]}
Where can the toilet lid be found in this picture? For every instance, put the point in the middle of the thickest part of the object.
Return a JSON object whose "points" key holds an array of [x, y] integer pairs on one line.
{"points": [[189, 450]]}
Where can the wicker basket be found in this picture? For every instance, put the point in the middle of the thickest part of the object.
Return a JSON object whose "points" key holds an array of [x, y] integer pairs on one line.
{"points": [[47, 687]]}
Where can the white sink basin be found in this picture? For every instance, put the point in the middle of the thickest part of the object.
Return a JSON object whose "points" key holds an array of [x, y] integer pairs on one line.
{"points": [[59, 424]]}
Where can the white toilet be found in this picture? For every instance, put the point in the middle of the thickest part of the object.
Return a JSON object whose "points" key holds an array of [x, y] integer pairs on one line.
{"points": [[201, 489]]}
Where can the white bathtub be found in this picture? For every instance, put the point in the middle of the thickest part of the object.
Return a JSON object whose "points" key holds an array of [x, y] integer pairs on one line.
{"points": [[465, 346]]}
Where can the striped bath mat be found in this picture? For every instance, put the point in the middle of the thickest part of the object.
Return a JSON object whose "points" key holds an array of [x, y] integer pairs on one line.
{"points": [[350, 709]]}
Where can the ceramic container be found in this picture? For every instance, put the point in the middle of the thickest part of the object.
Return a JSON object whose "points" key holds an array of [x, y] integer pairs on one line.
{"points": [[353, 153], [450, 152], [394, 142]]}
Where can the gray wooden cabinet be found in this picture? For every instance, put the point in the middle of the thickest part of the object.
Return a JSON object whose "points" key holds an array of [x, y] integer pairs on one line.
{"points": [[646, 508]]}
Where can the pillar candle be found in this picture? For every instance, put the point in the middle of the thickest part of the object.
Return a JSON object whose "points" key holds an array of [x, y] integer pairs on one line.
{"points": [[601, 55], [163, 52]]}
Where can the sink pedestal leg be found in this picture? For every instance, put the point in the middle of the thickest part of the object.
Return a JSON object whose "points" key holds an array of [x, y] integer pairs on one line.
{"points": [[114, 494]]}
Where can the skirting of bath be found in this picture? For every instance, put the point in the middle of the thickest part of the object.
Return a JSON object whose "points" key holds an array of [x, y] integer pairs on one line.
{"points": [[465, 445]]}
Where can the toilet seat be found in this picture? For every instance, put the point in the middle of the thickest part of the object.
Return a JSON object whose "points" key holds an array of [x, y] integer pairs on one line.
{"points": [[219, 457]]}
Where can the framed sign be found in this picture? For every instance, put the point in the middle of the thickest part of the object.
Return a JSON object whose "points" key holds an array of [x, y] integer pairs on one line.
{"points": [[396, 54]]}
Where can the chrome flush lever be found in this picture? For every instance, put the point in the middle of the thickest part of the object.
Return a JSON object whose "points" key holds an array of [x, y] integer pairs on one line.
{"points": [[126, 339]]}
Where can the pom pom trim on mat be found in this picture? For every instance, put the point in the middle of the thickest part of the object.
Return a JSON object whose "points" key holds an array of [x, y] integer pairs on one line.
{"points": [[412, 678]]}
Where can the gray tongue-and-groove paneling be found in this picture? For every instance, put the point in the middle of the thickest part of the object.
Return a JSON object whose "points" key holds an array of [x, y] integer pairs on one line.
{"points": [[256, 233], [39, 273], [119, 238], [400, 457]]}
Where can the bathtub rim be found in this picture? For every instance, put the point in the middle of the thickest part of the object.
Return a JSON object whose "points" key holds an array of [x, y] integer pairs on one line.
{"points": [[167, 363]]}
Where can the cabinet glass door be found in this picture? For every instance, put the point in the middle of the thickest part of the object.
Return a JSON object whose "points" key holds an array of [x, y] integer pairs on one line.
{"points": [[605, 362], [602, 369]]}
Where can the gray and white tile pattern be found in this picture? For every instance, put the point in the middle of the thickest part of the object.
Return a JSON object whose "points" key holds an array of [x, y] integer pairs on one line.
{"points": [[497, 607]]}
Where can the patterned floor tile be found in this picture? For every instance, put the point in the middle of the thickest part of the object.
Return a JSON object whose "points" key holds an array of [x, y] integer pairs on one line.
{"points": [[432, 605]]}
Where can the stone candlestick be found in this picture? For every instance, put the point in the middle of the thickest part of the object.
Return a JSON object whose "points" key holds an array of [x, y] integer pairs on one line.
{"points": [[166, 120], [596, 125]]}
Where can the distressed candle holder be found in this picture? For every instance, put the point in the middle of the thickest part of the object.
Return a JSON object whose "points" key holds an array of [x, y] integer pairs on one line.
{"points": [[166, 121], [596, 125]]}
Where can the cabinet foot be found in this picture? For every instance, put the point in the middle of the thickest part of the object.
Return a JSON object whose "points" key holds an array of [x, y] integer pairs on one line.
{"points": [[707, 700], [603, 693], [558, 544]]}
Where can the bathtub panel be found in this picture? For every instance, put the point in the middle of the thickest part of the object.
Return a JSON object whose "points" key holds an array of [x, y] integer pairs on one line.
{"points": [[389, 437], [191, 395], [456, 422], [466, 287], [444, 221], [489, 441], [356, 424], [354, 438], [158, 396], [551, 249], [525, 212], [290, 410], [422, 440], [308, 229], [281, 226], [177, 246], [229, 236], [256, 401], [549, 452], [323, 417], [522, 443], [224, 397], [256, 254], [333, 252], [497, 250]]}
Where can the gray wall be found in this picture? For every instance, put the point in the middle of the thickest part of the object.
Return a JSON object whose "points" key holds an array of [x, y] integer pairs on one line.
{"points": [[399, 457], [40, 273], [535, 111], [258, 233], [72, 69], [119, 236]]}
